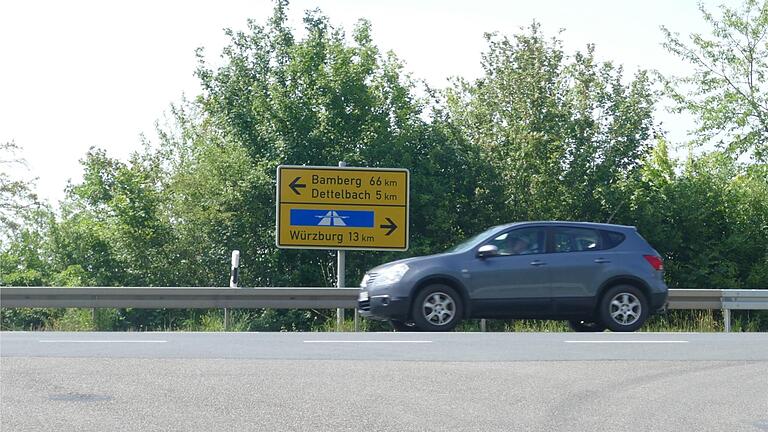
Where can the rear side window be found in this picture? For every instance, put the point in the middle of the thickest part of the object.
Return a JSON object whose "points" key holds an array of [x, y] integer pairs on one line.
{"points": [[566, 239], [612, 239]]}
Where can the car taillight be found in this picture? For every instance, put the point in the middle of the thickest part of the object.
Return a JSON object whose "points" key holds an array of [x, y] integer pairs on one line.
{"points": [[654, 261]]}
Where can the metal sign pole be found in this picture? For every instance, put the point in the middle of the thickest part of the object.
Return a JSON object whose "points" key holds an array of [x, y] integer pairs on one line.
{"points": [[340, 268], [340, 273]]}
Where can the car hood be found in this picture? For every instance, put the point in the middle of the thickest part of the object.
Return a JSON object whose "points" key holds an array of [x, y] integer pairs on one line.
{"points": [[410, 261]]}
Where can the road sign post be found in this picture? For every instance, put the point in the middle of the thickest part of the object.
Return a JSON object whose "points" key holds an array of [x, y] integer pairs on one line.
{"points": [[342, 208], [341, 269]]}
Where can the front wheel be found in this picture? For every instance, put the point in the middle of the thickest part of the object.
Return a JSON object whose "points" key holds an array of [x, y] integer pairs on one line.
{"points": [[623, 308], [586, 326], [437, 308]]}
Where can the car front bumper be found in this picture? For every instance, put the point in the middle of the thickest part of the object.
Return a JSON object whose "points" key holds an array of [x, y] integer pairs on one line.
{"points": [[383, 307]]}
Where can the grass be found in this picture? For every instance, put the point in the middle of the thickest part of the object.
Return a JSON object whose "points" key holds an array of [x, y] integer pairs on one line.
{"points": [[247, 320], [702, 321]]}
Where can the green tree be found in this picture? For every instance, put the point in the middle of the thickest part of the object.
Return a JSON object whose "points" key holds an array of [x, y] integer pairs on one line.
{"points": [[173, 212], [115, 223], [23, 226], [16, 196], [726, 92], [560, 134], [708, 218], [320, 100]]}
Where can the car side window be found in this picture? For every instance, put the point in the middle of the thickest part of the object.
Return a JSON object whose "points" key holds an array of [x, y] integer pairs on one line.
{"points": [[612, 239], [566, 239], [524, 241]]}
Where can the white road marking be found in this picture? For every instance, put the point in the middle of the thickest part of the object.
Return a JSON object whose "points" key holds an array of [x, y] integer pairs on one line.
{"points": [[367, 341], [627, 341], [99, 341]]}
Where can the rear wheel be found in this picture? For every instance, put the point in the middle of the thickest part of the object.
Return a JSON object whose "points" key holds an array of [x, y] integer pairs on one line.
{"points": [[437, 308], [623, 308], [586, 326]]}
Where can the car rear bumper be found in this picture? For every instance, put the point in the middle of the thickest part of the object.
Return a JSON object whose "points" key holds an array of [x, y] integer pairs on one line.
{"points": [[659, 302]]}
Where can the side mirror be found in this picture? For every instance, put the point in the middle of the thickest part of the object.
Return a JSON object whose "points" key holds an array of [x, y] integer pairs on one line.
{"points": [[487, 251]]}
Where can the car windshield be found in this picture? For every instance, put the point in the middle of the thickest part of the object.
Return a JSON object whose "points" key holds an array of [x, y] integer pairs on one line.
{"points": [[470, 242]]}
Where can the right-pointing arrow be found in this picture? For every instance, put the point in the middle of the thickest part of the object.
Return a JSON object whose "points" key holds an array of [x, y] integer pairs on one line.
{"points": [[392, 227]]}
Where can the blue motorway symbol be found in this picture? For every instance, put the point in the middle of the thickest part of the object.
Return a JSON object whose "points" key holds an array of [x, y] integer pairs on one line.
{"points": [[332, 218]]}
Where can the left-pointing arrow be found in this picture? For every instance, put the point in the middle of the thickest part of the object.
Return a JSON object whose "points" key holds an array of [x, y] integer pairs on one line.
{"points": [[295, 185]]}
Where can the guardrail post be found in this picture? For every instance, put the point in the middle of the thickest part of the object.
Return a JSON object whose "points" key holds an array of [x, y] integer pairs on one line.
{"points": [[727, 320], [482, 325]]}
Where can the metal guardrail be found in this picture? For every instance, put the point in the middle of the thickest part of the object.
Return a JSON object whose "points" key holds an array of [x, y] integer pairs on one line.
{"points": [[742, 300], [725, 299], [178, 298], [300, 298], [695, 299], [745, 299]]}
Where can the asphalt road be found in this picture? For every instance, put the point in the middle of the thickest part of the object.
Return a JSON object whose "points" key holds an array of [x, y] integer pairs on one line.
{"points": [[383, 381]]}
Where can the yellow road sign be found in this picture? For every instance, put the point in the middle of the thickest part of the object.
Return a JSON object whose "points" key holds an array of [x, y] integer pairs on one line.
{"points": [[342, 208]]}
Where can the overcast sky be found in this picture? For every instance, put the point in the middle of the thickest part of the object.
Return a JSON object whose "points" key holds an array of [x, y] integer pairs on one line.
{"points": [[76, 74]]}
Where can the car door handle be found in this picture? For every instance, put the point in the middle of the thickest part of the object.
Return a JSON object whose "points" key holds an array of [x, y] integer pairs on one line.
{"points": [[537, 263], [602, 260]]}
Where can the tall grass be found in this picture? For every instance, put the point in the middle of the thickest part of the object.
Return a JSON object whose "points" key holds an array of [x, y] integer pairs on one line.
{"points": [[686, 321]]}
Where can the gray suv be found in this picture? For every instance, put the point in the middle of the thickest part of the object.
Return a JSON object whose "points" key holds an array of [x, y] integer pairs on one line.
{"points": [[596, 276]]}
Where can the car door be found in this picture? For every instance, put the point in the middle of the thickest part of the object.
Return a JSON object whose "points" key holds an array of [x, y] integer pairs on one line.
{"points": [[576, 263], [515, 282]]}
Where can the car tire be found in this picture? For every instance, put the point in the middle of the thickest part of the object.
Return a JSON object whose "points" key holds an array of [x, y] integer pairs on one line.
{"points": [[437, 308], [586, 326], [623, 308], [401, 326]]}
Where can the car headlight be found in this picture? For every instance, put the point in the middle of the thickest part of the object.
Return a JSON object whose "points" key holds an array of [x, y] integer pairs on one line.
{"points": [[364, 282], [391, 274]]}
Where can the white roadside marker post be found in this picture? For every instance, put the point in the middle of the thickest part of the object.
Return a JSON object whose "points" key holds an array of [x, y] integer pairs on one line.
{"points": [[234, 278]]}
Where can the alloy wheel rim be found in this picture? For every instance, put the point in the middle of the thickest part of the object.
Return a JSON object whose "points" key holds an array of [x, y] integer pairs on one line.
{"points": [[625, 308], [438, 308]]}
